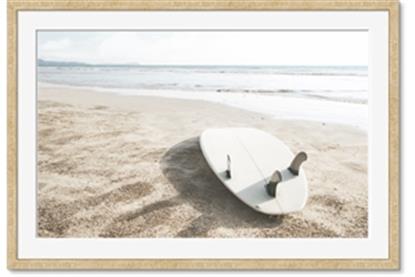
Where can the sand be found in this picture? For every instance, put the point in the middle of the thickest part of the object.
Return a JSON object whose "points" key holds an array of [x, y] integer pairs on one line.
{"points": [[131, 166]]}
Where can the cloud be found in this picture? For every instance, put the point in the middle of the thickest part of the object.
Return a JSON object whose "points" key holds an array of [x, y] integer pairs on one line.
{"points": [[121, 47], [238, 48], [54, 45]]}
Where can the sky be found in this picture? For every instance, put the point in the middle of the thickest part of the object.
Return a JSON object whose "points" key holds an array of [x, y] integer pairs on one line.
{"points": [[315, 48]]}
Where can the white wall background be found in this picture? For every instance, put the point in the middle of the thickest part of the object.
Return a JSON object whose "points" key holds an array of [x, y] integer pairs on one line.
{"points": [[407, 160]]}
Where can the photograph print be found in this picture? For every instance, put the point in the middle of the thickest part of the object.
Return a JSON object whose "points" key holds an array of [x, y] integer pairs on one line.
{"points": [[202, 134]]}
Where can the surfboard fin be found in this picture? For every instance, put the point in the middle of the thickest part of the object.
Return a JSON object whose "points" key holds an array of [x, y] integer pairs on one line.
{"points": [[228, 165], [298, 160], [273, 182]]}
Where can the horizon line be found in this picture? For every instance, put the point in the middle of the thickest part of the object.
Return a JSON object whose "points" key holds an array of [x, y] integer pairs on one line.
{"points": [[79, 63]]}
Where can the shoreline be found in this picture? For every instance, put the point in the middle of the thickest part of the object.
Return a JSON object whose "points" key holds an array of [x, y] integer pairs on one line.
{"points": [[131, 166], [276, 106]]}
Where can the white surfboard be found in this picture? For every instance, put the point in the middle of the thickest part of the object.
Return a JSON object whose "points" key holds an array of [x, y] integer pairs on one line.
{"points": [[244, 159]]}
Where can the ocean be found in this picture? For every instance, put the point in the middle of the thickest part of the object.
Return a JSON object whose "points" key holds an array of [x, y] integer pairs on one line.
{"points": [[323, 93]]}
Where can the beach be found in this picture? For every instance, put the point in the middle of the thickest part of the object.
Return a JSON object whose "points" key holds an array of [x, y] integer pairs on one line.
{"points": [[121, 165]]}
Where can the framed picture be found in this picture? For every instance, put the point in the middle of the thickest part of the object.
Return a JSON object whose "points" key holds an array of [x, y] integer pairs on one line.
{"points": [[203, 135]]}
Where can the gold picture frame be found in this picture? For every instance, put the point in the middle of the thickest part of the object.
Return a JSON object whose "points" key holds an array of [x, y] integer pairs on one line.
{"points": [[391, 6]]}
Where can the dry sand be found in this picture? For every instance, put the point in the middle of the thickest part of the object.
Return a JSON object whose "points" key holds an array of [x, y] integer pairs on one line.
{"points": [[131, 166]]}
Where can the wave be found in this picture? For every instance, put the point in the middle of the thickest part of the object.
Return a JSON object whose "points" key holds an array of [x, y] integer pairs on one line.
{"points": [[325, 83]]}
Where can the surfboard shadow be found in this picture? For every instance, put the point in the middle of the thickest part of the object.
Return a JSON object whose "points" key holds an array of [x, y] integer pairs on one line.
{"points": [[187, 170]]}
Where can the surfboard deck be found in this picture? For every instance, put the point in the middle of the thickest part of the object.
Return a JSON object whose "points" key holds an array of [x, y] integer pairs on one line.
{"points": [[254, 156]]}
